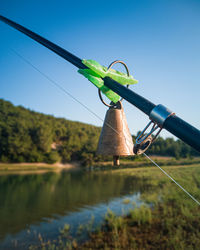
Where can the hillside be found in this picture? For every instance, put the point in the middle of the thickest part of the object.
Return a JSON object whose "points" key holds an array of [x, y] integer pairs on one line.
{"points": [[28, 136]]}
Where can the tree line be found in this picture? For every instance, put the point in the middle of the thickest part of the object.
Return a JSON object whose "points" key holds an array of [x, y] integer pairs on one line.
{"points": [[29, 136]]}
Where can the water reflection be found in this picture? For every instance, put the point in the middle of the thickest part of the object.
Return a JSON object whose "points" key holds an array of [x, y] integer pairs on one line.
{"points": [[44, 200]]}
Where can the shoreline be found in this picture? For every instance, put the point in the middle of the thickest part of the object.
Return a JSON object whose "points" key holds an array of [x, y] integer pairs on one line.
{"points": [[41, 167], [36, 168]]}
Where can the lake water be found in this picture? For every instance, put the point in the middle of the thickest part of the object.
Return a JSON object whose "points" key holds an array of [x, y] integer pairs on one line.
{"points": [[43, 203]]}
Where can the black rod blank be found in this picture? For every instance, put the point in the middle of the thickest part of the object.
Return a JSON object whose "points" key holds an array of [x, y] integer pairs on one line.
{"points": [[140, 102], [52, 46], [173, 124]]}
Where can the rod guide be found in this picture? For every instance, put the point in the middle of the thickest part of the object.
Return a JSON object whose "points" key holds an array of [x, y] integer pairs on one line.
{"points": [[158, 116]]}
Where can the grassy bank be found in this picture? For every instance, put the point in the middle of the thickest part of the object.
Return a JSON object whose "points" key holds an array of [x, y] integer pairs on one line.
{"points": [[169, 220], [141, 161]]}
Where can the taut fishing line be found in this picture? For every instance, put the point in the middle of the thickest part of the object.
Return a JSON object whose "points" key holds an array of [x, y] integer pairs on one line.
{"points": [[97, 116], [192, 197]]}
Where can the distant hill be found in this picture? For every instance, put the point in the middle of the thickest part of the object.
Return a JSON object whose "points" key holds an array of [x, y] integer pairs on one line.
{"points": [[28, 136]]}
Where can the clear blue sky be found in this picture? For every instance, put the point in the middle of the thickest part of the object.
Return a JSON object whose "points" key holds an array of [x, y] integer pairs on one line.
{"points": [[159, 40]]}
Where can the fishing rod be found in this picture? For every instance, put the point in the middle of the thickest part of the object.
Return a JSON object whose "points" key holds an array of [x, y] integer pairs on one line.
{"points": [[160, 116]]}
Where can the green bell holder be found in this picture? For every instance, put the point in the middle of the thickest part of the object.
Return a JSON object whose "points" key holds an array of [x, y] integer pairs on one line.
{"points": [[95, 73], [99, 91]]}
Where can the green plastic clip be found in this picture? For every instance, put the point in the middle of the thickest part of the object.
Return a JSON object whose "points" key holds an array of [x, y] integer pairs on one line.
{"points": [[96, 72]]}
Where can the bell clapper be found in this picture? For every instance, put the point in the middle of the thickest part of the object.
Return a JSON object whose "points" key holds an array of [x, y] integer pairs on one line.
{"points": [[116, 160]]}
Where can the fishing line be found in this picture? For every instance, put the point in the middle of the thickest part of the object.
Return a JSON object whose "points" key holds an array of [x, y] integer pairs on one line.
{"points": [[97, 116], [192, 197], [56, 84]]}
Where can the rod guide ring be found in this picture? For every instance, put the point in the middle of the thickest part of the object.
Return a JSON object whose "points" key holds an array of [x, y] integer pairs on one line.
{"points": [[158, 116]]}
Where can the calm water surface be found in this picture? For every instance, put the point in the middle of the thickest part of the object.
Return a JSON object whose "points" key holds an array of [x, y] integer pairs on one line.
{"points": [[44, 203]]}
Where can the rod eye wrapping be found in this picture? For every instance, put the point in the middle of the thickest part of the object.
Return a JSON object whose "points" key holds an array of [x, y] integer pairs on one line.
{"points": [[159, 114]]}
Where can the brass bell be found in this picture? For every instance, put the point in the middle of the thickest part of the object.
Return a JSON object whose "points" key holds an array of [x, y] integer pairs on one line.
{"points": [[115, 138]]}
